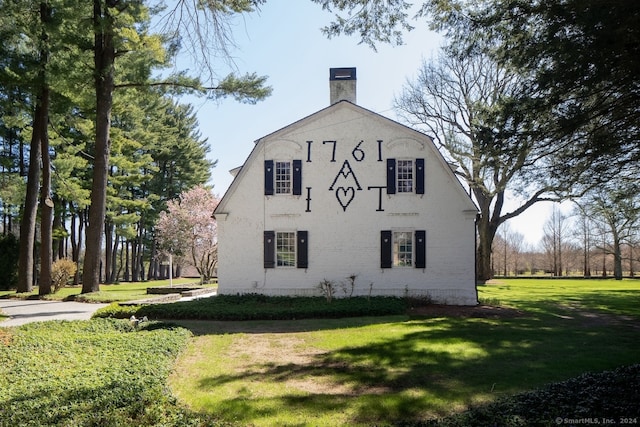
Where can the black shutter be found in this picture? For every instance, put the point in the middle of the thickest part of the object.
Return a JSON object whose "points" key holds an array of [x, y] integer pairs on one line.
{"points": [[297, 177], [421, 249], [303, 249], [419, 176], [269, 249], [391, 176], [385, 249], [268, 177]]}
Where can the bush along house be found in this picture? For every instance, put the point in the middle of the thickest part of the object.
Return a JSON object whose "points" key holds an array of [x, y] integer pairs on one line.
{"points": [[349, 200]]}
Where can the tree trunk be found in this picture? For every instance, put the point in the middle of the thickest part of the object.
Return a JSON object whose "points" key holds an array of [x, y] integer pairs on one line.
{"points": [[108, 250], [76, 238], [617, 258], [153, 269], [135, 265], [127, 263], [104, 58], [487, 227], [38, 141], [60, 247], [30, 208], [46, 207], [113, 274]]}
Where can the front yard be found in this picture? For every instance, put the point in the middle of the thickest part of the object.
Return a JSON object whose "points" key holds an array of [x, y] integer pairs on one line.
{"points": [[409, 369]]}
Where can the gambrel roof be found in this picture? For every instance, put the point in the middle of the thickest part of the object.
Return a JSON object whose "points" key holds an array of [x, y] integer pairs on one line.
{"points": [[286, 132]]}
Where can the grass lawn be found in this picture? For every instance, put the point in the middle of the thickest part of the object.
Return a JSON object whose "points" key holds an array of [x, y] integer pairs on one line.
{"points": [[362, 371], [125, 291], [384, 370]]}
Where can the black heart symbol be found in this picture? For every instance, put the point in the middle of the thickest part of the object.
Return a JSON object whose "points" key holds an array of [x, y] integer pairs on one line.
{"points": [[345, 196]]}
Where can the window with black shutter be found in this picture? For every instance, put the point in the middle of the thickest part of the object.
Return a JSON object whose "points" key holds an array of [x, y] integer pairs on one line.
{"points": [[269, 249], [286, 249], [268, 177], [297, 177], [303, 249], [282, 177], [391, 176], [419, 176], [405, 176], [385, 249], [403, 249], [421, 249]]}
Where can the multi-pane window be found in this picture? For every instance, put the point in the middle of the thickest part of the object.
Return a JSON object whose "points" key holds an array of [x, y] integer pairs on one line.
{"points": [[404, 170], [405, 176], [286, 249], [402, 249], [283, 178]]}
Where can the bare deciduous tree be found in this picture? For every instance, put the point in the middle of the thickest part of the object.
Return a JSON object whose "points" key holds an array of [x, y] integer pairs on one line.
{"points": [[615, 209], [556, 230], [462, 100]]}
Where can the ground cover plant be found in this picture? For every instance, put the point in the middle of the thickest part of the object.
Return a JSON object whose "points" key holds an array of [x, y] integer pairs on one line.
{"points": [[101, 372], [417, 370], [607, 398]]}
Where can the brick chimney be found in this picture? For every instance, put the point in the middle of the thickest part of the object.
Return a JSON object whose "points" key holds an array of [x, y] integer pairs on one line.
{"points": [[342, 85]]}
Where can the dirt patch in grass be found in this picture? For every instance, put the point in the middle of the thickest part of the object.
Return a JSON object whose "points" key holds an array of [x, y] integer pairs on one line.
{"points": [[289, 359], [588, 318], [6, 336], [465, 311]]}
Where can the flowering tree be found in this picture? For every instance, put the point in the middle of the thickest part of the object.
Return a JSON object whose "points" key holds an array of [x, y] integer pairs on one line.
{"points": [[188, 231]]}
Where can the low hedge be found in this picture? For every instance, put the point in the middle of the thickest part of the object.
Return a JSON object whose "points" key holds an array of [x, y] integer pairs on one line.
{"points": [[261, 307]]}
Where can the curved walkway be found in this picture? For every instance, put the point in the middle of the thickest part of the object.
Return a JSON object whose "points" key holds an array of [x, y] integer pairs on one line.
{"points": [[27, 311]]}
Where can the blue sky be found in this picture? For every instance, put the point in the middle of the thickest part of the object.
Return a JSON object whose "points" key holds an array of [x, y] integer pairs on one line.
{"points": [[284, 42]]}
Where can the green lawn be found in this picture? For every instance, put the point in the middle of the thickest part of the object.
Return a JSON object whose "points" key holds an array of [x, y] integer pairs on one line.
{"points": [[125, 291], [391, 370], [385, 370]]}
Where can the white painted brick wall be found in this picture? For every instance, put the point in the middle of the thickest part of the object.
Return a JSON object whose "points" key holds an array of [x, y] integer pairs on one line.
{"points": [[345, 242]]}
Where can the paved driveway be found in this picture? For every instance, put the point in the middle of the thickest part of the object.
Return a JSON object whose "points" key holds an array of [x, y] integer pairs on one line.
{"points": [[26, 311]]}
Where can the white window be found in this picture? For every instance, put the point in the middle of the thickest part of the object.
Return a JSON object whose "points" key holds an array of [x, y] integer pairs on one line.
{"points": [[283, 178], [404, 183], [285, 249], [402, 249]]}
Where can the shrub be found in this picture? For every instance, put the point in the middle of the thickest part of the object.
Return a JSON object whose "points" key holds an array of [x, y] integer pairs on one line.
{"points": [[261, 307], [327, 287], [116, 311], [61, 271], [9, 252]]}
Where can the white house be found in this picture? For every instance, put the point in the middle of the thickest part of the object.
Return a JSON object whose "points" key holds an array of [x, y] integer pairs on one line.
{"points": [[346, 192]]}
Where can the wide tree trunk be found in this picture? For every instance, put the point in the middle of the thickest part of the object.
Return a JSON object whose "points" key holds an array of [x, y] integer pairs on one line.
{"points": [[46, 209], [104, 58], [39, 140], [30, 208], [108, 248], [617, 258], [487, 226]]}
